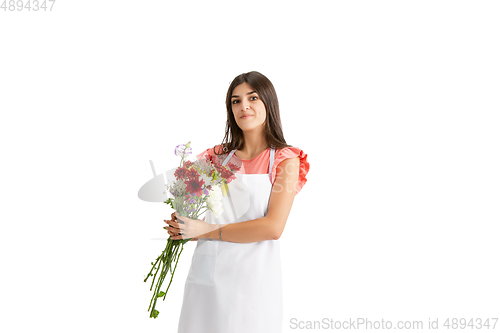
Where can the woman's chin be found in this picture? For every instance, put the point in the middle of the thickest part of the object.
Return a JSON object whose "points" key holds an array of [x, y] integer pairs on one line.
{"points": [[250, 127]]}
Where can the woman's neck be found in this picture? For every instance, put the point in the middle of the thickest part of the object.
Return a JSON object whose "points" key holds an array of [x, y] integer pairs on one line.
{"points": [[255, 143]]}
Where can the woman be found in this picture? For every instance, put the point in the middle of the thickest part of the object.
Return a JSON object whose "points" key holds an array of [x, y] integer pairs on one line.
{"points": [[234, 283]]}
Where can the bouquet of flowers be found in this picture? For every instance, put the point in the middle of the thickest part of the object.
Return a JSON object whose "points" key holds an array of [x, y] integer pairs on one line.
{"points": [[199, 186]]}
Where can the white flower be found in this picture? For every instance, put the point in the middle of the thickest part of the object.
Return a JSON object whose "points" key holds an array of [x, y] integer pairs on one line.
{"points": [[217, 211], [214, 201], [204, 166], [208, 180]]}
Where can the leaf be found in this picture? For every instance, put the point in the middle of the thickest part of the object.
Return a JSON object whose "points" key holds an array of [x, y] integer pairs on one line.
{"points": [[160, 294], [170, 202]]}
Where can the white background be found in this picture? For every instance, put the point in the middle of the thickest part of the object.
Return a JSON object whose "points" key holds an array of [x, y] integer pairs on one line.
{"points": [[396, 104]]}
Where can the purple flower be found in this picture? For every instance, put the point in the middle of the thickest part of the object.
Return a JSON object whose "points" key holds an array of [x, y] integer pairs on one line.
{"points": [[183, 149]]}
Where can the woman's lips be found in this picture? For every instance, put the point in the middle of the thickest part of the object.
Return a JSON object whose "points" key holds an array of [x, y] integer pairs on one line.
{"points": [[245, 117]]}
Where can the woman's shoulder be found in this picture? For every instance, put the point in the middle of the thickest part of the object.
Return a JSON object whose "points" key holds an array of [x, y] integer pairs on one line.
{"points": [[215, 150], [289, 152]]}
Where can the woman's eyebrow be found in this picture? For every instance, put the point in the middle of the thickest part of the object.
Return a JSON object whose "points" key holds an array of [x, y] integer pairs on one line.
{"points": [[251, 92]]}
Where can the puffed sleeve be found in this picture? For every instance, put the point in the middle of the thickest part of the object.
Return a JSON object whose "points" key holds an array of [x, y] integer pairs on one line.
{"points": [[208, 152], [290, 152], [203, 154]]}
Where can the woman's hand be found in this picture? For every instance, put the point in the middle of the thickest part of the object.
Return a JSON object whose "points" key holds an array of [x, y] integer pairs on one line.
{"points": [[182, 227], [174, 231]]}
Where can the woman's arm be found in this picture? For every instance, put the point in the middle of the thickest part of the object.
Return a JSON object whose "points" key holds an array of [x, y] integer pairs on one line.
{"points": [[271, 226]]}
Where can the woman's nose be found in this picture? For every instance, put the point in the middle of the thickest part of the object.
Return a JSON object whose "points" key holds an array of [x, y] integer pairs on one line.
{"points": [[245, 106]]}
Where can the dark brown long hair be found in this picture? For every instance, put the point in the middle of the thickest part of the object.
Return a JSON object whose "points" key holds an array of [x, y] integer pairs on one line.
{"points": [[234, 138]]}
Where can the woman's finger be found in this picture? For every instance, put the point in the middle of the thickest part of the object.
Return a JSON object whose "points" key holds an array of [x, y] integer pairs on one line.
{"points": [[172, 223], [174, 230], [177, 237]]}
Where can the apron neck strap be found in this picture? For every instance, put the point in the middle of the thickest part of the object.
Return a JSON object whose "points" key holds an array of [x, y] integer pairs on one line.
{"points": [[271, 161], [228, 157]]}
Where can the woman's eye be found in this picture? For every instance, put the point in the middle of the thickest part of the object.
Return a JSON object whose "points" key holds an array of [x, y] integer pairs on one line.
{"points": [[235, 101], [253, 97]]}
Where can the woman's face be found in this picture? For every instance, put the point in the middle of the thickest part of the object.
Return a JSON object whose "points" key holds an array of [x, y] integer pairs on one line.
{"points": [[248, 109]]}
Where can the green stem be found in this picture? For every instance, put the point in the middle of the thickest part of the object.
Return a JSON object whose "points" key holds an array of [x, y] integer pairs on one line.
{"points": [[173, 257], [154, 293], [169, 244], [154, 277], [159, 283], [163, 264], [203, 212], [172, 277], [154, 265]]}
